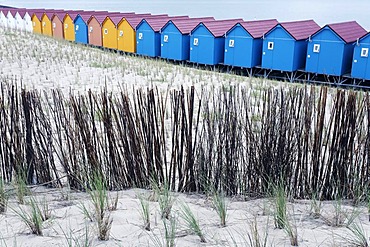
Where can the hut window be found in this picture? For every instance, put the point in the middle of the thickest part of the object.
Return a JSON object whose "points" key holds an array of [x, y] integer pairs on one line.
{"points": [[91, 29], [316, 48], [105, 31], [34, 24], [65, 26], [140, 35], [120, 33], [270, 45], [231, 43], [165, 38], [54, 25], [364, 52], [77, 27], [196, 42], [43, 24]]}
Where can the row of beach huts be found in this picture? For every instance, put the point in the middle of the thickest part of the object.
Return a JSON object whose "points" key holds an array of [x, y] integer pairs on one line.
{"points": [[335, 49]]}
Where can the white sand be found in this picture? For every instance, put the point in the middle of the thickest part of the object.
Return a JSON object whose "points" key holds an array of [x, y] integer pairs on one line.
{"points": [[127, 228], [43, 63]]}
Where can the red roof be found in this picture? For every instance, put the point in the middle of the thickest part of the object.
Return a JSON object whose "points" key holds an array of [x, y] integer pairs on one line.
{"points": [[7, 8], [73, 14], [117, 19], [14, 11], [157, 23], [348, 31], [52, 13], [133, 21], [258, 28], [98, 18], [39, 15], [59, 15], [101, 18], [86, 15], [220, 27], [185, 26], [32, 11], [4, 10], [48, 12], [300, 29], [22, 13]]}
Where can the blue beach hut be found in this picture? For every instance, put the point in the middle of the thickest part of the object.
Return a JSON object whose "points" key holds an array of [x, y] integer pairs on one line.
{"points": [[330, 50], [175, 39], [207, 41], [361, 61], [148, 37], [81, 27], [243, 43], [285, 45]]}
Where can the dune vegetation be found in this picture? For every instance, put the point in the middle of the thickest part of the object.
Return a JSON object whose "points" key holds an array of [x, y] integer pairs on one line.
{"points": [[105, 149]]}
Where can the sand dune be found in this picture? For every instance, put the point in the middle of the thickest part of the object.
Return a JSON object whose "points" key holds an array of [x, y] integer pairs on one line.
{"points": [[42, 63]]}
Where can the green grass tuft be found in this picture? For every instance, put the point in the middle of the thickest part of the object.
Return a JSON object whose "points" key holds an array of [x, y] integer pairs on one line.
{"points": [[3, 196], [21, 187], [220, 205], [254, 237], [144, 211], [165, 198], [99, 198], [358, 235], [280, 200], [192, 223], [35, 216]]}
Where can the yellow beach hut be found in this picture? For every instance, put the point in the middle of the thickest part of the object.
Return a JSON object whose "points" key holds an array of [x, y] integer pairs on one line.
{"points": [[46, 26], [36, 22], [95, 27], [68, 25], [109, 29], [28, 18]]}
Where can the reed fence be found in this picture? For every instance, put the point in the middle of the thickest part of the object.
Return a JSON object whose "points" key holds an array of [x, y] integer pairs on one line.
{"points": [[233, 138]]}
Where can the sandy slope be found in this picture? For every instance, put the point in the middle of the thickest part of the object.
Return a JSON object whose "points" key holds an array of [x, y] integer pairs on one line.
{"points": [[44, 63], [127, 229]]}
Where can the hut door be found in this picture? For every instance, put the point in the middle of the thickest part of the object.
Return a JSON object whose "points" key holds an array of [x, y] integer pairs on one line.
{"points": [[194, 49], [140, 42], [231, 50], [120, 39], [165, 46], [315, 56], [364, 62], [268, 54], [367, 70]]}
